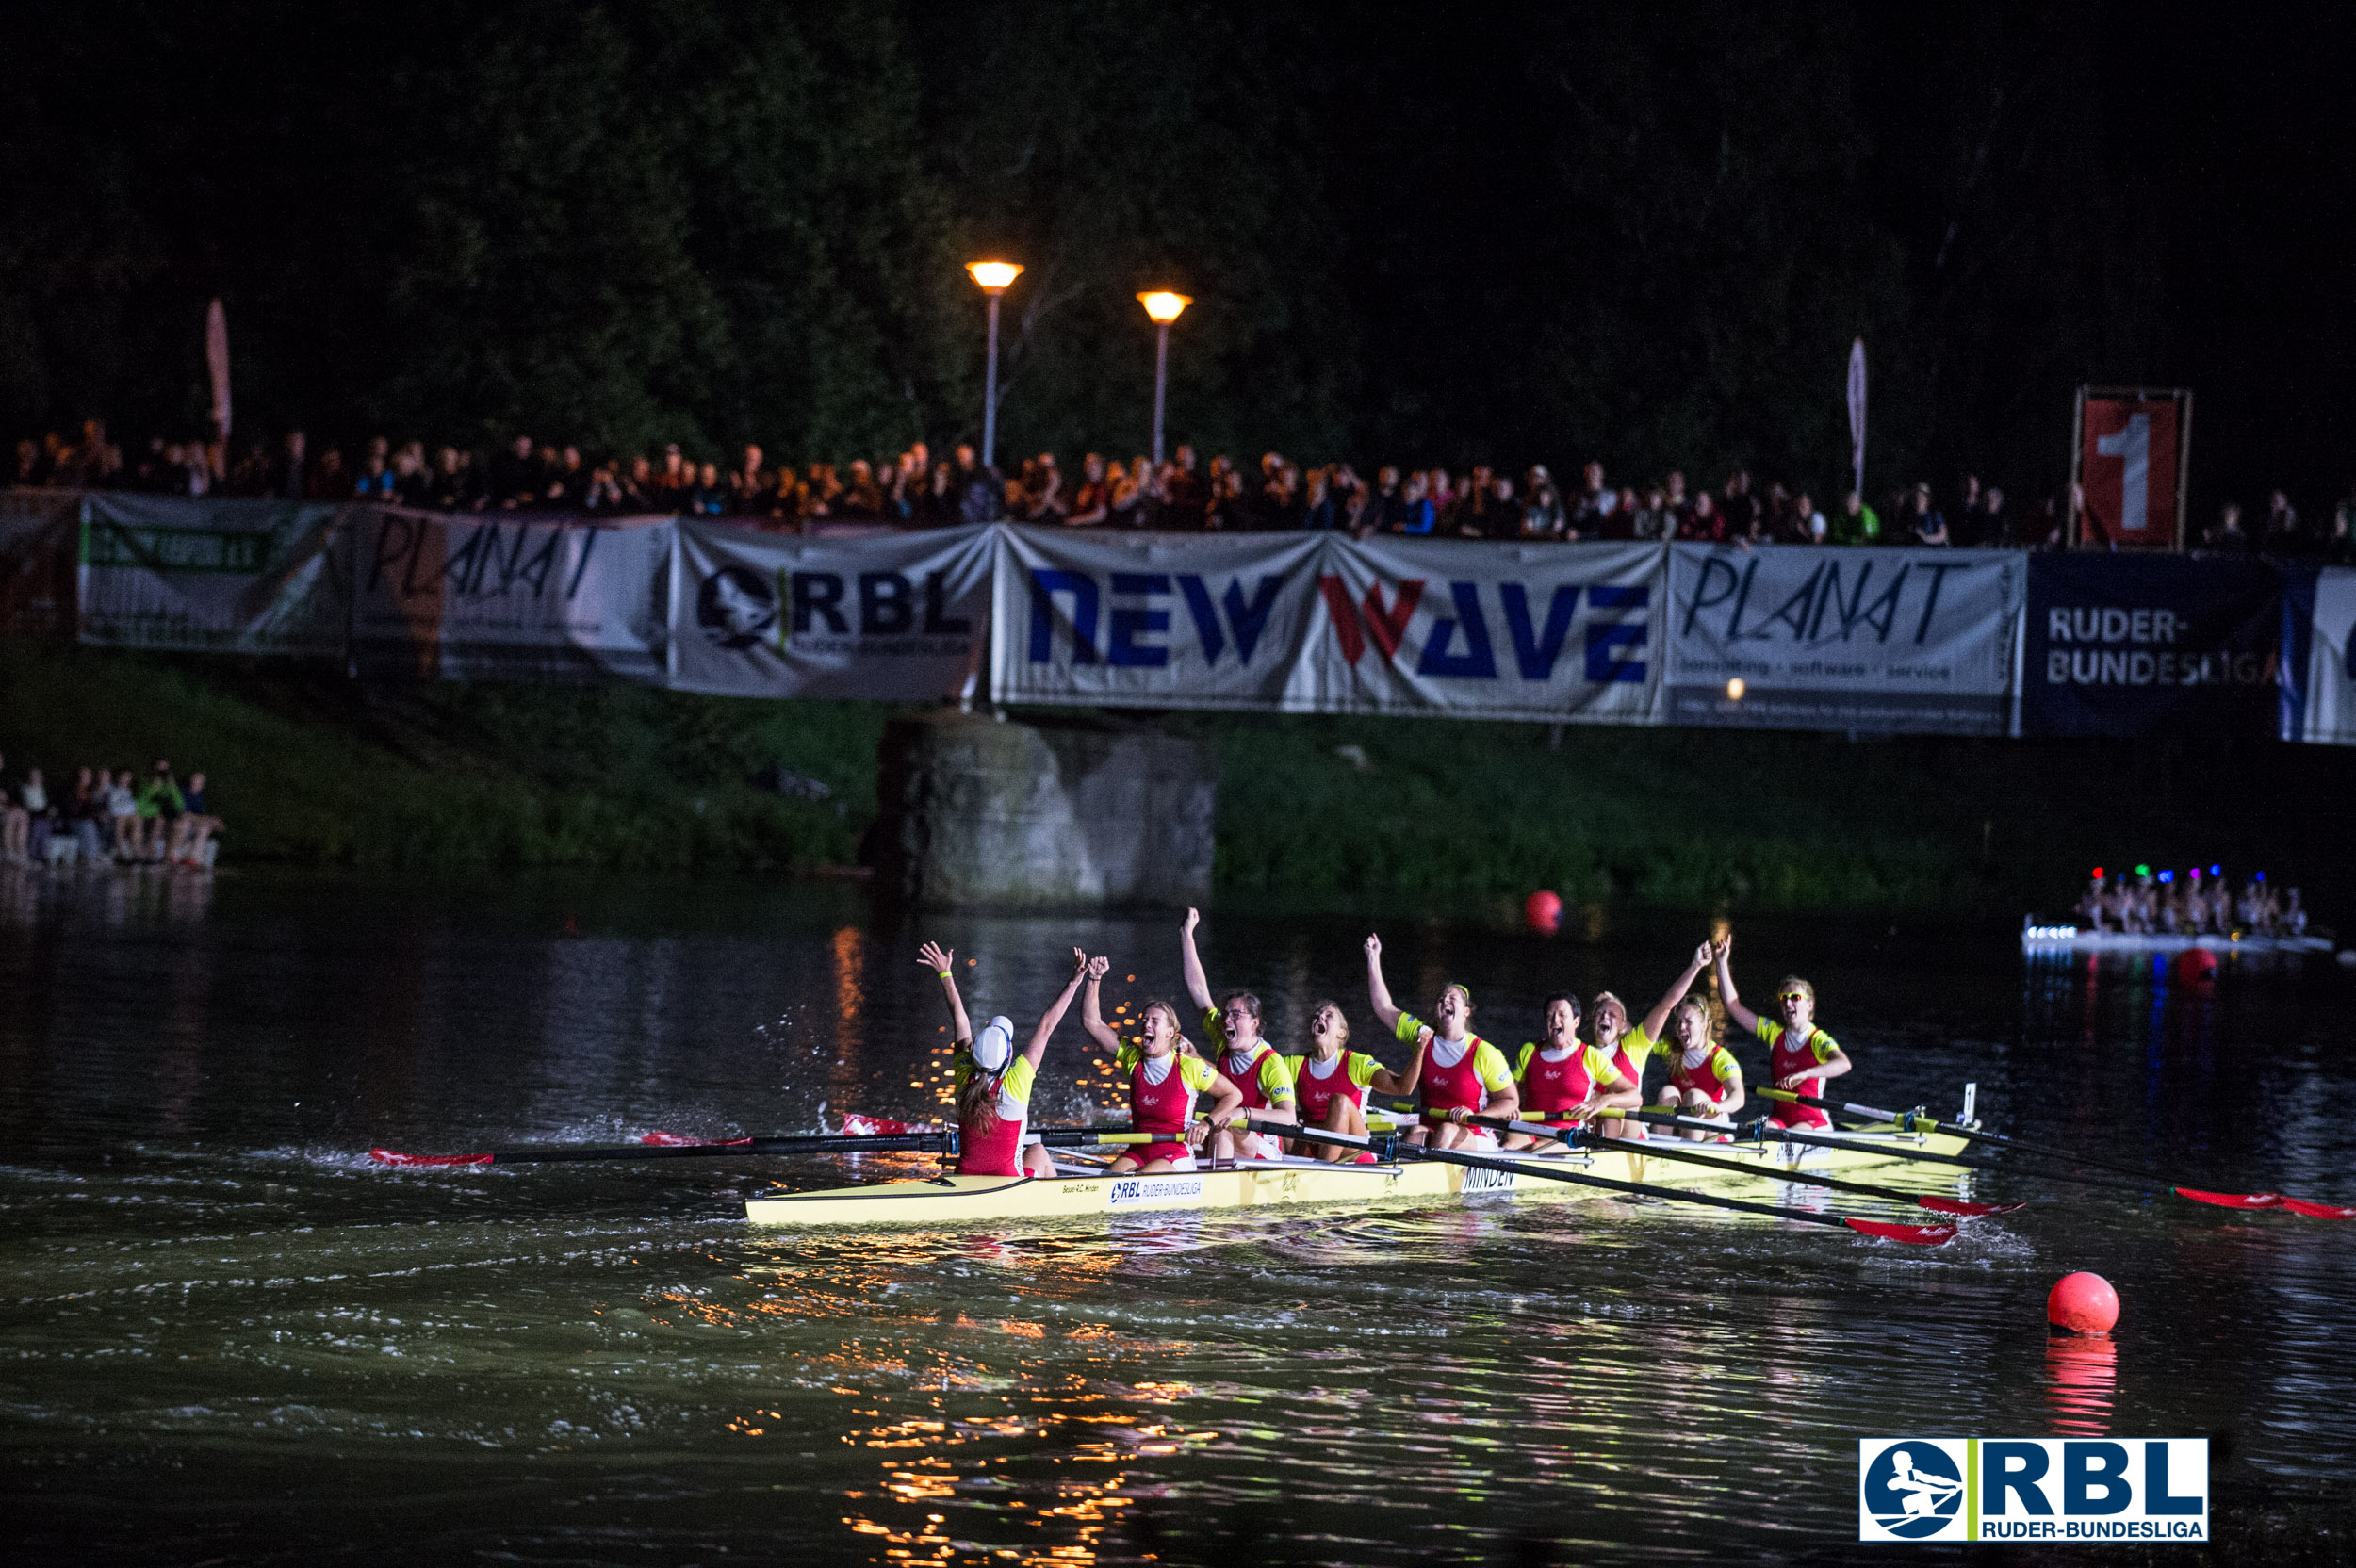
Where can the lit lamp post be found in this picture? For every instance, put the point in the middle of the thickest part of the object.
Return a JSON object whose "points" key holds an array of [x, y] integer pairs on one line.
{"points": [[1163, 307], [995, 277]]}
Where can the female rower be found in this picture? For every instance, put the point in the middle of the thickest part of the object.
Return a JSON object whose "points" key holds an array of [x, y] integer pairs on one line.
{"points": [[1163, 1082], [1464, 1075], [993, 1084], [1330, 1083], [1800, 1056], [1631, 1047], [1705, 1080], [1248, 1061], [1566, 1080]]}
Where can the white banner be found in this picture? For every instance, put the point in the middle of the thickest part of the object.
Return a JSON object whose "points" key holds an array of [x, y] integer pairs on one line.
{"points": [[1154, 620], [1804, 637], [897, 616], [509, 597], [1488, 630], [2330, 714], [211, 576]]}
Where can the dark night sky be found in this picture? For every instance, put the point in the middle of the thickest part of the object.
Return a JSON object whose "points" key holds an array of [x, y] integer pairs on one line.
{"points": [[1508, 233]]}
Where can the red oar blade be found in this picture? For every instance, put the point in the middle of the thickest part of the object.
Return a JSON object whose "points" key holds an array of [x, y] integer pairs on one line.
{"points": [[394, 1157], [2318, 1211], [2232, 1199], [875, 1127], [675, 1140], [1913, 1235], [1966, 1209]]}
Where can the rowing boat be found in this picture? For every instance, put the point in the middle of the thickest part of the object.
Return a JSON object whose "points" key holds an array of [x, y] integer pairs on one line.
{"points": [[2035, 939], [1078, 1191]]}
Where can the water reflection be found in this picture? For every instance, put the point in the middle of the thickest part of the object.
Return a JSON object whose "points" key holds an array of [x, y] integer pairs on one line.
{"points": [[2081, 1374]]}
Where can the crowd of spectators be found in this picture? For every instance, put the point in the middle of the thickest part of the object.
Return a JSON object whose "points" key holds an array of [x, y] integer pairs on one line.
{"points": [[107, 817], [2170, 904], [915, 489]]}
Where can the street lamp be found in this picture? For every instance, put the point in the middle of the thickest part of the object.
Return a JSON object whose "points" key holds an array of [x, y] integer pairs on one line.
{"points": [[1163, 307], [995, 277]]}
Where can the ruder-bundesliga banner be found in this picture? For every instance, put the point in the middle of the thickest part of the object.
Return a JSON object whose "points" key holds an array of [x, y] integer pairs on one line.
{"points": [[1880, 640], [1488, 630], [512, 598], [1154, 620], [1320, 623], [212, 576], [2320, 655], [2117, 645], [756, 615]]}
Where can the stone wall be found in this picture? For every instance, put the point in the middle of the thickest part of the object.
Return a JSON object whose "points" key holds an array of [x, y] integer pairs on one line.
{"points": [[1065, 813]]}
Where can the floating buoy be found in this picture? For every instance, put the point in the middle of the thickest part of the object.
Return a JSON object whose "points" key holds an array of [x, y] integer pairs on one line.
{"points": [[2083, 1304], [1542, 912], [2195, 965]]}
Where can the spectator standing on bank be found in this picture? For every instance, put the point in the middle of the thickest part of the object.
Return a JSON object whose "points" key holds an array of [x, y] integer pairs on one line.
{"points": [[1930, 523], [1542, 505], [1739, 508], [2226, 536], [1858, 524], [2283, 539]]}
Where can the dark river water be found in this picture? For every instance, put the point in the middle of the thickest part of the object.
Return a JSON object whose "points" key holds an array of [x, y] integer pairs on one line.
{"points": [[225, 1337]]}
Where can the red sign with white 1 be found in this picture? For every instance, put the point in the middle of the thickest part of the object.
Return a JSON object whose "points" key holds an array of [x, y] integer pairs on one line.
{"points": [[2130, 462]]}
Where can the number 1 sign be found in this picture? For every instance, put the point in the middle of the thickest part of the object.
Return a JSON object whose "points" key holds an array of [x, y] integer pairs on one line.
{"points": [[2127, 468]]}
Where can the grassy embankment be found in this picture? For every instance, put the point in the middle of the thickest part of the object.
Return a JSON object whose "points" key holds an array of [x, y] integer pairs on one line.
{"points": [[312, 768]]}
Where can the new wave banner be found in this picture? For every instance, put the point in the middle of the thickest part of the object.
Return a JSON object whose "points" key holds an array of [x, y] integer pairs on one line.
{"points": [[1154, 620], [1550, 632], [2151, 644], [1800, 637], [900, 616], [212, 576], [509, 597], [2320, 655]]}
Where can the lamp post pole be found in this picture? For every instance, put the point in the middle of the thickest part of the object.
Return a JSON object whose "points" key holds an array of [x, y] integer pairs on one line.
{"points": [[1162, 307], [995, 277]]}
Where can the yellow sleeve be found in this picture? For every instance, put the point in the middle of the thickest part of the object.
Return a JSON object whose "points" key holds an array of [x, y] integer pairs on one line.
{"points": [[1489, 1066], [1199, 1072], [1639, 1046], [1822, 1046], [1127, 1057], [1215, 1031], [1275, 1083], [1521, 1060], [1409, 1027], [1361, 1068], [1600, 1066], [1016, 1082], [1722, 1062], [1768, 1033]]}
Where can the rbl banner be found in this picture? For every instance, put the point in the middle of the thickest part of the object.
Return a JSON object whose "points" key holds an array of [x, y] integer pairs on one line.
{"points": [[2130, 465], [2151, 646]]}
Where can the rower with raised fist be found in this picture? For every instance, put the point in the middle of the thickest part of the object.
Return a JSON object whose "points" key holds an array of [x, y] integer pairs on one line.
{"points": [[993, 1085], [1464, 1075], [1247, 1061], [1800, 1057], [1164, 1079]]}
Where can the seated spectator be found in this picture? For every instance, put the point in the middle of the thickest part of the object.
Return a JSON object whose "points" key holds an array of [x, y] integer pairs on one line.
{"points": [[41, 815], [86, 814], [16, 826], [124, 836], [193, 836], [159, 807]]}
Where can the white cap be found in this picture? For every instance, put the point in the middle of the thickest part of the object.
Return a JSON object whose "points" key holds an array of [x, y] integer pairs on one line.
{"points": [[993, 1048]]}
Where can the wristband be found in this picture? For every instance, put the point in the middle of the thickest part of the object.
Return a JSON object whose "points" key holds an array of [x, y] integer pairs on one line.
{"points": [[944, 973]]}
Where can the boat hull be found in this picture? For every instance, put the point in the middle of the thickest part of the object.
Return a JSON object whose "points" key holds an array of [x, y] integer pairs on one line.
{"points": [[2057, 940], [977, 1201]]}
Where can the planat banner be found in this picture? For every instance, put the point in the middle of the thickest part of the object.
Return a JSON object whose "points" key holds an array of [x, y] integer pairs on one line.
{"points": [[212, 576], [1550, 632], [2148, 644], [1886, 640], [1154, 620], [899, 615], [512, 598], [2320, 655]]}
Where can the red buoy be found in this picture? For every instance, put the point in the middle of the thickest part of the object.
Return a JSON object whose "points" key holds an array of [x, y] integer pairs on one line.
{"points": [[2083, 1304], [1542, 912], [2193, 965]]}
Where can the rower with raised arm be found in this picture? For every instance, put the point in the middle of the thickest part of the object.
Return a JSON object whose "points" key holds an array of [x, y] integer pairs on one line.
{"points": [[1163, 1083], [1705, 1081], [1629, 1049], [1464, 1075], [1648, 1036], [1565, 1080], [1247, 1061], [1800, 1057], [993, 1085], [1330, 1083]]}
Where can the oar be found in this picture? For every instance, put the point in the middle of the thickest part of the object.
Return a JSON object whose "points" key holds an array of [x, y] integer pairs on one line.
{"points": [[1760, 1131], [1909, 1121], [1916, 1235], [1592, 1139], [932, 1142]]}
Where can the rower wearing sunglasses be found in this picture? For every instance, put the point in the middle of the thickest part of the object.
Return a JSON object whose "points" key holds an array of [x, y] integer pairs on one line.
{"points": [[1800, 1056]]}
